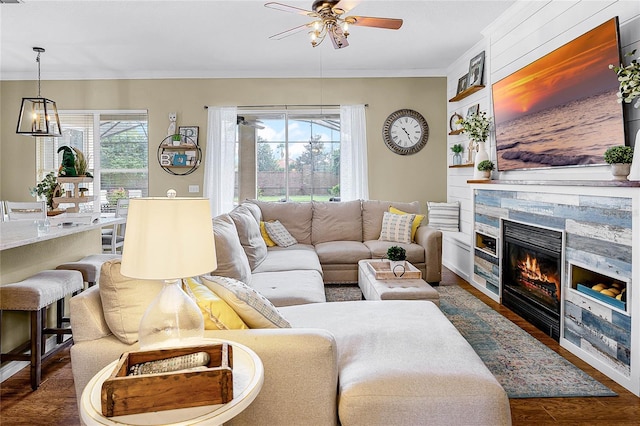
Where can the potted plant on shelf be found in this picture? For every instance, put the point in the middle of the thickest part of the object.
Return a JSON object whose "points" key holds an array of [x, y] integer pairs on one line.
{"points": [[46, 188], [476, 126], [620, 158], [397, 257], [457, 154], [485, 167]]}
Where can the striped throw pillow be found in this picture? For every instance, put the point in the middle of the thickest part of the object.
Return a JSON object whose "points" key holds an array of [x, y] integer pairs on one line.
{"points": [[444, 216], [396, 227]]}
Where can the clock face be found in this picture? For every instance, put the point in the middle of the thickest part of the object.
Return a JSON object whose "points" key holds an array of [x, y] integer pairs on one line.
{"points": [[405, 132]]}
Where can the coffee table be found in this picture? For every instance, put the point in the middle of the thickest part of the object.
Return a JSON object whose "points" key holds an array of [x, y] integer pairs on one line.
{"points": [[393, 289], [248, 377]]}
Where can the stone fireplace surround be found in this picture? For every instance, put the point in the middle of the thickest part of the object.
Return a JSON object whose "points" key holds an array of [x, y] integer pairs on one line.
{"points": [[602, 233]]}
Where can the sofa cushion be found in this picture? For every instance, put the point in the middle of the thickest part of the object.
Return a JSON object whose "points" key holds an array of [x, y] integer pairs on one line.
{"points": [[372, 212], [297, 257], [254, 309], [341, 221], [124, 300], [279, 234], [295, 287], [296, 217], [444, 216], [232, 259], [249, 234], [396, 227], [378, 249], [402, 360], [342, 252], [217, 314], [416, 222]]}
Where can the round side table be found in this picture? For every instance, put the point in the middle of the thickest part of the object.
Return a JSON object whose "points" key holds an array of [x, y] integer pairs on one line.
{"points": [[248, 377]]}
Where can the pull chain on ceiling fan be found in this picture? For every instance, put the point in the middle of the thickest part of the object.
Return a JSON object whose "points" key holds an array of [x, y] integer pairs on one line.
{"points": [[329, 21]]}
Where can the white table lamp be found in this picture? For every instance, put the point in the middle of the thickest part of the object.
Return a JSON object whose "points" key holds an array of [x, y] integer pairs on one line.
{"points": [[169, 239]]}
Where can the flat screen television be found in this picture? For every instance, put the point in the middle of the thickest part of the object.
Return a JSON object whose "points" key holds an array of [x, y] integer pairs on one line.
{"points": [[562, 109]]}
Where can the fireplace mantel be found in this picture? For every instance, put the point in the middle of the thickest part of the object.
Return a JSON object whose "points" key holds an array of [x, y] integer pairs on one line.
{"points": [[587, 183], [601, 224]]}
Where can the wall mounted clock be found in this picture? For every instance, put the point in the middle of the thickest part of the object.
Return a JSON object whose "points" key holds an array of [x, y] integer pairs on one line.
{"points": [[405, 132]]}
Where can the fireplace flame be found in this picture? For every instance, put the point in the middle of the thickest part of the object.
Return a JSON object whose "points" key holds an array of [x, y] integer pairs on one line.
{"points": [[530, 270]]}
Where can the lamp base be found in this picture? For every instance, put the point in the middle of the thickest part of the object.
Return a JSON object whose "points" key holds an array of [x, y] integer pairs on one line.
{"points": [[172, 319]]}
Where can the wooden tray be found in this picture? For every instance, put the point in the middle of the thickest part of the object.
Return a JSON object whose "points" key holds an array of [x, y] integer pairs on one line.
{"points": [[122, 394], [382, 271]]}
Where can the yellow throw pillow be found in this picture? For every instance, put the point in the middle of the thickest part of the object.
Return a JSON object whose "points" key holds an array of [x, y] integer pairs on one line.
{"points": [[217, 314], [416, 222], [267, 240]]}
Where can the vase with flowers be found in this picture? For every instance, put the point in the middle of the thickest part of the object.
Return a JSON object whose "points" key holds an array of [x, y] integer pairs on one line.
{"points": [[476, 126], [629, 78]]}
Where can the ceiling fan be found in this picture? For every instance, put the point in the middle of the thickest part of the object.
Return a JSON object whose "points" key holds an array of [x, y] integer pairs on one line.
{"points": [[256, 124], [329, 20]]}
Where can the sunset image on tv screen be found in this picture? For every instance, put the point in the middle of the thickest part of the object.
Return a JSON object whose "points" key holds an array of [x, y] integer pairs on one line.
{"points": [[562, 109]]}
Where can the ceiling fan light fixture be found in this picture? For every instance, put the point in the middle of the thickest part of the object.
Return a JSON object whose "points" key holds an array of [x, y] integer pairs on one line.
{"points": [[38, 116]]}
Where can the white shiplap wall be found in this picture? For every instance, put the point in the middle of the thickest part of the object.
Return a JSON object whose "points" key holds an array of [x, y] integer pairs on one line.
{"points": [[524, 33]]}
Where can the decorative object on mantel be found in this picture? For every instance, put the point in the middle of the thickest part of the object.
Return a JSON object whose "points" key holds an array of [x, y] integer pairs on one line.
{"points": [[476, 126], [38, 116], [620, 158], [457, 154], [485, 167], [635, 164], [397, 257], [629, 78]]}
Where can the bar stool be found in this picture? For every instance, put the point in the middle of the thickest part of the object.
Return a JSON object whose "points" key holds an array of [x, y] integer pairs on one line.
{"points": [[89, 266], [35, 294]]}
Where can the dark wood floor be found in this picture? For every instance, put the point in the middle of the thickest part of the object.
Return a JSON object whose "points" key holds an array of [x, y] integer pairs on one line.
{"points": [[54, 403]]}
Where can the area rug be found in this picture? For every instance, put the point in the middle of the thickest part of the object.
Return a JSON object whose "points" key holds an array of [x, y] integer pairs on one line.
{"points": [[524, 367]]}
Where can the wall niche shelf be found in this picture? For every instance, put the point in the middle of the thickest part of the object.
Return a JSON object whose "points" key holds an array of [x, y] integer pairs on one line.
{"points": [[181, 159], [467, 92]]}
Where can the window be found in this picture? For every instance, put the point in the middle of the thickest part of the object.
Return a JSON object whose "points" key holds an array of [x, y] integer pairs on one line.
{"points": [[116, 147], [297, 155]]}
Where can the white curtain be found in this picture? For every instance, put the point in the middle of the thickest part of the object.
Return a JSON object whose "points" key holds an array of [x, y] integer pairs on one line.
{"points": [[354, 179], [219, 163]]}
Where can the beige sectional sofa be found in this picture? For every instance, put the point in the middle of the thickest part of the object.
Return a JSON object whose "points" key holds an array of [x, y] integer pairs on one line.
{"points": [[348, 363]]}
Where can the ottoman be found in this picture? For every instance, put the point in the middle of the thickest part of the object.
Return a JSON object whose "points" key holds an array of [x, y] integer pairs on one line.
{"points": [[396, 289]]}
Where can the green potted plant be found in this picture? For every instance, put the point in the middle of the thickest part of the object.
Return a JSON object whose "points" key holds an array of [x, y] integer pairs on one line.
{"points": [[397, 257], [457, 154], [176, 140], [485, 167], [620, 158], [46, 188]]}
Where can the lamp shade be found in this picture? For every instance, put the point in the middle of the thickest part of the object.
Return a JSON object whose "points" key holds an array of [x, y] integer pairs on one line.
{"points": [[168, 239], [39, 117]]}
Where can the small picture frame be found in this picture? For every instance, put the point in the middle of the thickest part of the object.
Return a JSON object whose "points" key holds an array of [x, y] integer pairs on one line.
{"points": [[189, 134], [462, 84], [473, 109], [179, 160], [476, 69]]}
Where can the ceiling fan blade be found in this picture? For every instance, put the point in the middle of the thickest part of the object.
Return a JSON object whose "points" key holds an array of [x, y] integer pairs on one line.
{"points": [[370, 21], [290, 9], [347, 5], [291, 31]]}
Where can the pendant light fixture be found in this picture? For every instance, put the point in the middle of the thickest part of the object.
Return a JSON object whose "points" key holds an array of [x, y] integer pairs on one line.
{"points": [[38, 116]]}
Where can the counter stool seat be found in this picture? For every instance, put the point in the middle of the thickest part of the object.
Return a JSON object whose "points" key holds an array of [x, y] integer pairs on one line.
{"points": [[34, 295], [90, 266]]}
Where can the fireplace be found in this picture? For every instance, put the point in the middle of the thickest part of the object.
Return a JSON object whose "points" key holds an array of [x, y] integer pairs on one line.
{"points": [[531, 274]]}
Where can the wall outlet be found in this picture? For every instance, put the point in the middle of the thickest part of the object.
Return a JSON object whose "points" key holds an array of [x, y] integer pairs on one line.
{"points": [[194, 188]]}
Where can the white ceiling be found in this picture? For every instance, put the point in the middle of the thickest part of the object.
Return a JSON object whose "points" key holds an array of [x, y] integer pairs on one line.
{"points": [[94, 39]]}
